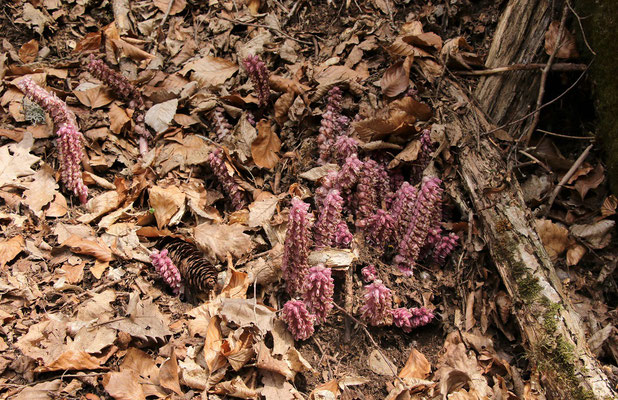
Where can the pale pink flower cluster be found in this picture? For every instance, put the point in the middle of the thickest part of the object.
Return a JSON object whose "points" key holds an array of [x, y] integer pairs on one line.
{"points": [[345, 146], [259, 75], [298, 319], [444, 247], [125, 90], [222, 126], [408, 319], [233, 190], [69, 142], [378, 303], [318, 291], [329, 222], [379, 228], [333, 124], [369, 273], [296, 247], [166, 268]]}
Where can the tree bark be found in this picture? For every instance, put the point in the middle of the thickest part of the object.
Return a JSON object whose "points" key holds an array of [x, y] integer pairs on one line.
{"points": [[552, 330]]}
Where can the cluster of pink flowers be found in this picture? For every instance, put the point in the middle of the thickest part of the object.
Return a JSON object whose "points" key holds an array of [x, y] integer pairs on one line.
{"points": [[344, 147], [318, 291], [166, 268], [70, 146], [222, 126], [217, 163], [330, 224], [369, 274], [379, 228], [408, 319], [333, 124], [259, 75], [296, 247], [128, 92], [298, 319], [378, 303]]}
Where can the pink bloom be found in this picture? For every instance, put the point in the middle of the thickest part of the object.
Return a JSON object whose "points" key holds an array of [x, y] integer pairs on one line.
{"points": [[318, 292], [222, 126], [378, 303], [296, 247], [369, 273], [233, 190], [332, 125], [69, 143], [408, 319], [298, 319], [424, 212], [343, 237], [345, 147], [166, 268], [325, 229], [258, 73], [379, 228], [444, 247]]}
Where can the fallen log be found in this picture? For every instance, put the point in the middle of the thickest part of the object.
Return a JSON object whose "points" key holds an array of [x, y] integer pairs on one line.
{"points": [[552, 330]]}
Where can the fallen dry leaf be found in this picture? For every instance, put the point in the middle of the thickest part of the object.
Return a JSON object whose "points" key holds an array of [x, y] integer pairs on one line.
{"points": [[167, 202], [16, 160], [590, 181], [219, 240], [396, 78], [177, 5], [261, 211], [417, 366], [567, 48], [168, 375], [554, 237], [88, 247], [10, 248], [93, 95], [41, 191], [29, 51], [72, 360], [123, 385], [118, 118], [210, 71], [597, 235], [159, 116], [575, 254], [265, 146]]}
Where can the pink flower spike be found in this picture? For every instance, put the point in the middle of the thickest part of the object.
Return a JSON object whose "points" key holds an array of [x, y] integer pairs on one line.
{"points": [[70, 140], [222, 126], [296, 247], [318, 292], [444, 247], [378, 303], [408, 319], [379, 228], [233, 190], [298, 319], [343, 237], [166, 268], [330, 216], [345, 147], [369, 273], [258, 73], [332, 125]]}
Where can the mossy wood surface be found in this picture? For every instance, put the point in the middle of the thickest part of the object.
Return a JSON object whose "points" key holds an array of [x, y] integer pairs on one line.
{"points": [[553, 332]]}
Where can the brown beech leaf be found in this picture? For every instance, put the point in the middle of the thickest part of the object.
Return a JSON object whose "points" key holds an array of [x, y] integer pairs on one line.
{"points": [[92, 41], [400, 119], [609, 206], [219, 240], [167, 202], [458, 53], [72, 360], [41, 190], [93, 95], [396, 78], [236, 388], [575, 254], [590, 181], [29, 51], [88, 247], [426, 39], [210, 71], [417, 366], [254, 6], [554, 237], [283, 85], [124, 385], [177, 5], [597, 235], [265, 146], [567, 48], [131, 51], [9, 249], [282, 105], [168, 375], [118, 118]]}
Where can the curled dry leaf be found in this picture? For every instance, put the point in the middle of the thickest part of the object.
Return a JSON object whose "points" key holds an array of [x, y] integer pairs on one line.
{"points": [[72, 360], [417, 366], [29, 51], [396, 78], [93, 95], [210, 71], [167, 202], [265, 146], [168, 375], [282, 106], [118, 118], [567, 48], [124, 385], [159, 116], [609, 206], [575, 254], [597, 235], [177, 5], [88, 247], [219, 240], [9, 249], [458, 53], [284, 85], [590, 181], [400, 118], [554, 237]]}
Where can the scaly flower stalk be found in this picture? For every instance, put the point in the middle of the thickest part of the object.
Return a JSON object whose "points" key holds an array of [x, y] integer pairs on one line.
{"points": [[369, 273], [345, 147], [378, 303], [318, 292], [367, 196], [343, 237], [233, 190], [222, 126], [425, 207], [402, 208], [444, 247], [325, 229], [126, 91], [408, 319], [166, 268], [379, 228], [258, 73], [70, 139], [298, 319], [296, 247], [333, 123]]}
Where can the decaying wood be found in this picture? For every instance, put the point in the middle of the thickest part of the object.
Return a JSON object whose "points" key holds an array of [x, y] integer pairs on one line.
{"points": [[518, 39], [552, 330]]}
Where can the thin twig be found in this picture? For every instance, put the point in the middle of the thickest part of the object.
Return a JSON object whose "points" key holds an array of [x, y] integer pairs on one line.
{"points": [[167, 13], [372, 340], [566, 136], [566, 178], [524, 67], [544, 75], [276, 30], [536, 160], [581, 27]]}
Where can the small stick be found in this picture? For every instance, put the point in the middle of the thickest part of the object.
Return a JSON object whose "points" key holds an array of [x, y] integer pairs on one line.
{"points": [[536, 160], [167, 12], [566, 177], [567, 136], [524, 67], [539, 100]]}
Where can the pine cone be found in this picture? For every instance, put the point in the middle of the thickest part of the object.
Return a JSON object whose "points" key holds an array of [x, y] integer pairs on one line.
{"points": [[198, 275]]}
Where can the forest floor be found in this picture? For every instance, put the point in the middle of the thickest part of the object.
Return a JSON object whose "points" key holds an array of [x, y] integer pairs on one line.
{"points": [[86, 316]]}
